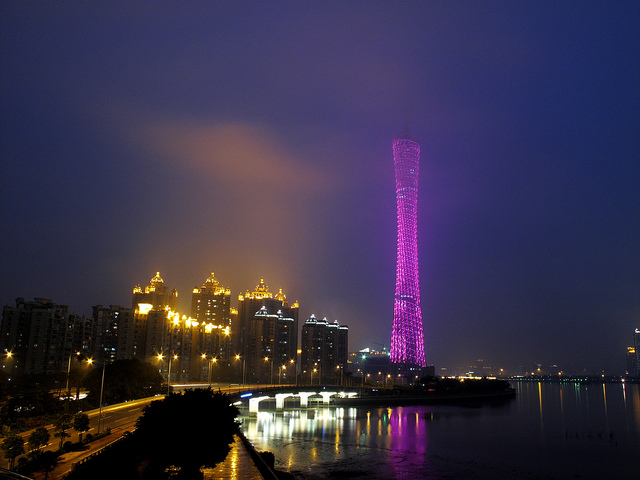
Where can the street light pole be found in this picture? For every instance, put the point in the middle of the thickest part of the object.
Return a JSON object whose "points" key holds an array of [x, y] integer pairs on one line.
{"points": [[238, 358], [211, 363], [104, 364], [171, 357], [66, 402]]}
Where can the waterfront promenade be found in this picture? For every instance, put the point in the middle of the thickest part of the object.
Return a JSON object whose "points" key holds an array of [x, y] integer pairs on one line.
{"points": [[239, 464]]}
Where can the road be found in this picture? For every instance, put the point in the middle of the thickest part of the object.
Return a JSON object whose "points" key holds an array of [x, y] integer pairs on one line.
{"points": [[120, 418]]}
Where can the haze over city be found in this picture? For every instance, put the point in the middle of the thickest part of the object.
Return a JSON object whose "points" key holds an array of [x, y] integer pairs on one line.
{"points": [[253, 140]]}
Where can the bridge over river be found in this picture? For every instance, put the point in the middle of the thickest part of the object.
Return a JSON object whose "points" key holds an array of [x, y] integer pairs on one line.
{"points": [[295, 397]]}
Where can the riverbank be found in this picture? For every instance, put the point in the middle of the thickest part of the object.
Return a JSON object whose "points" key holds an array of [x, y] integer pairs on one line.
{"points": [[576, 431]]}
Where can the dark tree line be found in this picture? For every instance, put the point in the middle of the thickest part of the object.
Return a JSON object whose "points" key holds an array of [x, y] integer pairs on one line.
{"points": [[174, 437], [30, 400], [124, 380]]}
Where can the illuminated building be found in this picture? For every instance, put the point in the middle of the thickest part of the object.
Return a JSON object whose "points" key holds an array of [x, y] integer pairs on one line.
{"points": [[155, 294], [211, 310], [407, 337], [269, 340], [267, 327], [632, 362], [324, 348], [633, 355]]}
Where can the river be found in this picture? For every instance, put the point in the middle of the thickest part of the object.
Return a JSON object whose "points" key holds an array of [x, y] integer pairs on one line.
{"points": [[549, 431]]}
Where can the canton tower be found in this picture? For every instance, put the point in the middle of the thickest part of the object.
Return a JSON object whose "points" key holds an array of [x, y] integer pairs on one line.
{"points": [[407, 337]]}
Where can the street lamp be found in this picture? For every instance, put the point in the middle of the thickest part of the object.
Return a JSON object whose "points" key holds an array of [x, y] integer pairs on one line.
{"points": [[266, 359], [207, 378], [213, 360], [9, 356], [104, 364], [174, 357], [295, 367], [339, 367], [171, 357], [243, 365], [66, 405]]}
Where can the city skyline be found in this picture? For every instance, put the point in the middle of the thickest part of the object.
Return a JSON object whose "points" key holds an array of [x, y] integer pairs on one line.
{"points": [[252, 140]]}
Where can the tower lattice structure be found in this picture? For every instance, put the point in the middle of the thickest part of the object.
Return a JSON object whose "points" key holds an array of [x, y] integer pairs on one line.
{"points": [[407, 337]]}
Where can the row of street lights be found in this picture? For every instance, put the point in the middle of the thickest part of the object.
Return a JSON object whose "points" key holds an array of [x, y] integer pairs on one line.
{"points": [[281, 370], [68, 387], [212, 361]]}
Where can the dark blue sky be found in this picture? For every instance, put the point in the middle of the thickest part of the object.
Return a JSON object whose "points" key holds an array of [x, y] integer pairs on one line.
{"points": [[253, 139]]}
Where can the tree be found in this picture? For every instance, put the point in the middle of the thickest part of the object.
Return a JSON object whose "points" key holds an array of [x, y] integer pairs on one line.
{"points": [[61, 425], [38, 438], [201, 424], [13, 447], [123, 380], [81, 424], [48, 461]]}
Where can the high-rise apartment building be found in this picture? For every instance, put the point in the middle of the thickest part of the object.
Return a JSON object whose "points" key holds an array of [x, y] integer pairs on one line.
{"points": [[155, 294], [407, 337], [38, 337], [266, 335], [111, 329], [325, 350], [211, 308]]}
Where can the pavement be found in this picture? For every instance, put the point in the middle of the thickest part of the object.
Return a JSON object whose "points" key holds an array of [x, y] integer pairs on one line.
{"points": [[237, 466]]}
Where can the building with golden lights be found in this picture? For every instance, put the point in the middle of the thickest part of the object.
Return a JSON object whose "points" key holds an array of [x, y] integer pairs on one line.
{"points": [[155, 294], [266, 334], [211, 338]]}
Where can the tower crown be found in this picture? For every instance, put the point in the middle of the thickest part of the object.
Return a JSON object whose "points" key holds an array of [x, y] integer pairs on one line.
{"points": [[212, 280], [261, 291], [157, 279]]}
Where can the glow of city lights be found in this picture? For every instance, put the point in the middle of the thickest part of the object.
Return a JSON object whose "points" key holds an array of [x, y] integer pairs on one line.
{"points": [[407, 336], [144, 308]]}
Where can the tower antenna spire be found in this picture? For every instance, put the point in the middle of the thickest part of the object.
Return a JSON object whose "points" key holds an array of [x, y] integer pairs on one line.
{"points": [[405, 119]]}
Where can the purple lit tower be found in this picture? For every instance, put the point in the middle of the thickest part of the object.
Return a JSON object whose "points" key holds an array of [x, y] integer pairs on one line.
{"points": [[407, 337]]}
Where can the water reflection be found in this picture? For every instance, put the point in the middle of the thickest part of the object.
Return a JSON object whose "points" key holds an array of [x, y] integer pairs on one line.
{"points": [[579, 430]]}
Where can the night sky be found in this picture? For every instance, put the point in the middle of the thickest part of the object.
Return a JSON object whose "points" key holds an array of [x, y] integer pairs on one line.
{"points": [[253, 139]]}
